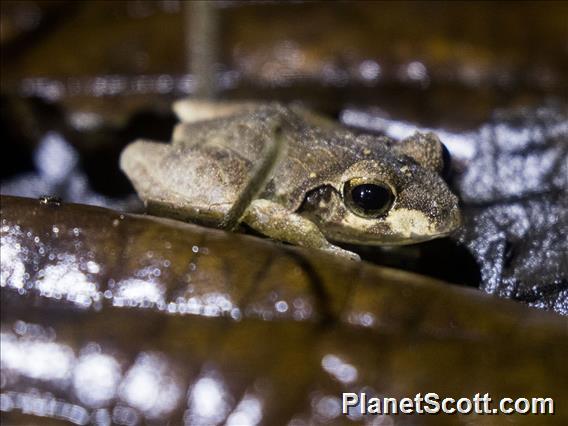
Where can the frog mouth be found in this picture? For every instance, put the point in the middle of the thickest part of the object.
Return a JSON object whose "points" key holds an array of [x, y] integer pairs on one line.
{"points": [[392, 240], [386, 238], [452, 225], [418, 238], [455, 222]]}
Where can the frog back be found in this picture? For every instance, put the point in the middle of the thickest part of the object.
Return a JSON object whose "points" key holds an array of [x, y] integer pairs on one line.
{"points": [[310, 150]]}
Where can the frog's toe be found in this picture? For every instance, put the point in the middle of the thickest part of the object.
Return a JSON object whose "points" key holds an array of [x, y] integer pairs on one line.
{"points": [[344, 253]]}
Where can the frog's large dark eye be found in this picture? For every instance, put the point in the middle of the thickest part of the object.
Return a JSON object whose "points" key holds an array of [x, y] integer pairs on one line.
{"points": [[367, 199]]}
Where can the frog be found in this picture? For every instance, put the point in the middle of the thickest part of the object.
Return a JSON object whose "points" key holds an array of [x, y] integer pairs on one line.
{"points": [[295, 176]]}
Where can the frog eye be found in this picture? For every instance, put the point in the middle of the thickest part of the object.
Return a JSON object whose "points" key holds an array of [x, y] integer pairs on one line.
{"points": [[367, 199]]}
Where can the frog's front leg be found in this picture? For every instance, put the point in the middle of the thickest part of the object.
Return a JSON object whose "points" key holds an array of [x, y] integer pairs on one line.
{"points": [[274, 221]]}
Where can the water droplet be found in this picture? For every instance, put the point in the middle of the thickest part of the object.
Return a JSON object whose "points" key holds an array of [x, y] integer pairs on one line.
{"points": [[50, 200], [281, 306]]}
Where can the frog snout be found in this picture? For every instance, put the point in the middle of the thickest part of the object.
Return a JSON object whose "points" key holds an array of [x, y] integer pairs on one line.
{"points": [[450, 218], [454, 219]]}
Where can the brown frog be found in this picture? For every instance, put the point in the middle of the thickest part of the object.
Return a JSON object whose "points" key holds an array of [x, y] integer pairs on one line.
{"points": [[294, 176]]}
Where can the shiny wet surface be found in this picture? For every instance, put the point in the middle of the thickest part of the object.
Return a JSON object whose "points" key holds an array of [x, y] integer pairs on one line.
{"points": [[115, 318]]}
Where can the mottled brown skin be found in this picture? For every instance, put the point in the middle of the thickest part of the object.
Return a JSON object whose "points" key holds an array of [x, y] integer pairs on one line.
{"points": [[282, 171]]}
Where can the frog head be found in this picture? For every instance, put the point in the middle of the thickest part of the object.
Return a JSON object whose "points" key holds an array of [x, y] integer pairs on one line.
{"points": [[396, 197]]}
